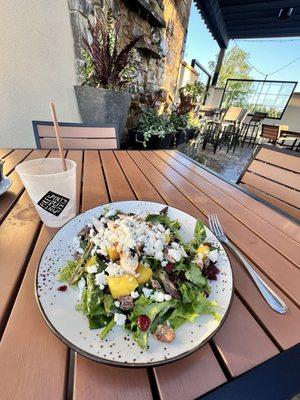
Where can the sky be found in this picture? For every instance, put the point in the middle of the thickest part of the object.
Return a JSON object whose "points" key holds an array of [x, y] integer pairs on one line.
{"points": [[266, 57]]}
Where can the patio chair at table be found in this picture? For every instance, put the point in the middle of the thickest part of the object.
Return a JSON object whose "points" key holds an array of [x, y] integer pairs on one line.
{"points": [[290, 139], [273, 175], [222, 132], [270, 133], [249, 130], [76, 136]]}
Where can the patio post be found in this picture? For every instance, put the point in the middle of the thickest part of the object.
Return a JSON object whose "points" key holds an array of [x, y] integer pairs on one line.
{"points": [[218, 66]]}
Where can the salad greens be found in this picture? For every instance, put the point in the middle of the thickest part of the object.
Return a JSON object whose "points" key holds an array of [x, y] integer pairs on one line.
{"points": [[136, 271]]}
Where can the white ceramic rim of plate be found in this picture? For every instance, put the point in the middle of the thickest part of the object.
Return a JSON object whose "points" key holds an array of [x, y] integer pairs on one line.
{"points": [[120, 363], [6, 183]]}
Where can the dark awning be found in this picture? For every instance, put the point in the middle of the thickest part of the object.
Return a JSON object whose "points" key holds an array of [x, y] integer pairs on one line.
{"points": [[237, 19]]}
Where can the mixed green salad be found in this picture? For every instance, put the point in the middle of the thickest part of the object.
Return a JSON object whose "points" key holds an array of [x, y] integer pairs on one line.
{"points": [[136, 271]]}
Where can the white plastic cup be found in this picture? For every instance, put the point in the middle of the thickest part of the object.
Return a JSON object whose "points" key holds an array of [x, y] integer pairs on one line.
{"points": [[52, 190]]}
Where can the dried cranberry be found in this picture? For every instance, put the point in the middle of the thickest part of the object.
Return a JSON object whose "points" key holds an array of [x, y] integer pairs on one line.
{"points": [[169, 267], [62, 288], [210, 271], [143, 322]]}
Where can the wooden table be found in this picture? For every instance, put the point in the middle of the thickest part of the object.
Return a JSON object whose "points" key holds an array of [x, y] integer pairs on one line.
{"points": [[34, 364]]}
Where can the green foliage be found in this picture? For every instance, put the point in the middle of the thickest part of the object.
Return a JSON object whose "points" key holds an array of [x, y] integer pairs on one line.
{"points": [[151, 123], [189, 96], [105, 64], [235, 66]]}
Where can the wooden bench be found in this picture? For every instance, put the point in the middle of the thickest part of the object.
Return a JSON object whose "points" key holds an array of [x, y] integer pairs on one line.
{"points": [[76, 136], [273, 174]]}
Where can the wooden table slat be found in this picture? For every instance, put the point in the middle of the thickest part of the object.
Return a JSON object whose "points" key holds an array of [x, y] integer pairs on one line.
{"points": [[190, 377], [34, 363], [241, 341], [273, 218], [278, 268], [94, 189], [14, 159], [118, 186], [5, 152]]}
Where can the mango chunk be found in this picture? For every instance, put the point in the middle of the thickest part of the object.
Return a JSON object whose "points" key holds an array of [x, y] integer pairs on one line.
{"points": [[113, 253], [145, 273], [203, 251], [121, 285]]}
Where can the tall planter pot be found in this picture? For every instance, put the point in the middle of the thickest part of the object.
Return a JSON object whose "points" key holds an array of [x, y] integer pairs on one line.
{"points": [[103, 107]]}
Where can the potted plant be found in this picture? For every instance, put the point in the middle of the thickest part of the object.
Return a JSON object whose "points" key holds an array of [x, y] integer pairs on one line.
{"points": [[102, 98], [155, 131], [180, 123], [194, 125]]}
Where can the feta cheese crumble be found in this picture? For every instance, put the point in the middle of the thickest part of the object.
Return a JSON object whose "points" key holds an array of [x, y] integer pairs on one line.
{"points": [[134, 295], [100, 279], [120, 319], [92, 269]]}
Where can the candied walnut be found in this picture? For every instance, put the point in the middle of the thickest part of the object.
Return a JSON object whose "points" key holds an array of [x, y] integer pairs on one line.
{"points": [[84, 232], [164, 333], [126, 303]]}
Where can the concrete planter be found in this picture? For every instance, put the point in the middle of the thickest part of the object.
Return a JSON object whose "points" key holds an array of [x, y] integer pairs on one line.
{"points": [[103, 106]]}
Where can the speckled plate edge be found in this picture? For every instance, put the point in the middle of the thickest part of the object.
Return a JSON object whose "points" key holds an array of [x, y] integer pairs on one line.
{"points": [[118, 363], [5, 184]]}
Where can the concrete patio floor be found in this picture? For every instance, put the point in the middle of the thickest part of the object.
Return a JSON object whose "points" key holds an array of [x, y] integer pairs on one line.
{"points": [[230, 165]]}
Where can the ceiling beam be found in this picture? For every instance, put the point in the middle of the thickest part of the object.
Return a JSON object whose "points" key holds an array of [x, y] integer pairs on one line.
{"points": [[258, 14], [259, 6], [261, 21], [263, 27], [264, 35]]}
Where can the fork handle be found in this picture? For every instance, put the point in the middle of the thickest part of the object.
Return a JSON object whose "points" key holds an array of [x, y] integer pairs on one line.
{"points": [[274, 301]]}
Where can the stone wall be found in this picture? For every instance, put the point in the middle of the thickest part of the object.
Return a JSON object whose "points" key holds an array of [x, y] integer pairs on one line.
{"points": [[163, 23]]}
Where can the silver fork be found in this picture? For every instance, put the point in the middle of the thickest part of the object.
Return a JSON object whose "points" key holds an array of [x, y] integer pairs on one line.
{"points": [[268, 294]]}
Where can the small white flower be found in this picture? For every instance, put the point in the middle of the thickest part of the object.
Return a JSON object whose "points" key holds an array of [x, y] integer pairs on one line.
{"points": [[117, 304], [101, 287]]}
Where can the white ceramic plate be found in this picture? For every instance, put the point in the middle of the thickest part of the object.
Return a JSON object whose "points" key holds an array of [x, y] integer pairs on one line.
{"points": [[5, 184], [58, 308]]}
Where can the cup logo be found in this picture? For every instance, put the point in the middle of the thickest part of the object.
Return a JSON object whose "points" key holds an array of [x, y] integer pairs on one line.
{"points": [[53, 203]]}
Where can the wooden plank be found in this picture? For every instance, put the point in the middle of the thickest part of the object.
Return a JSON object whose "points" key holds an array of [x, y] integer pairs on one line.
{"points": [[9, 198], [113, 383], [272, 188], [277, 267], [167, 190], [294, 212], [79, 144], [17, 234], [33, 362], [14, 159], [241, 341], [118, 186], [5, 152], [94, 189], [283, 328], [288, 178], [262, 228], [91, 378], [76, 156], [140, 184], [190, 377], [281, 223], [283, 160]]}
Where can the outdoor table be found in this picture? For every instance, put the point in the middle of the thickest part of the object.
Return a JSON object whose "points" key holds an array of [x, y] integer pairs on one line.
{"points": [[256, 350], [284, 134]]}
